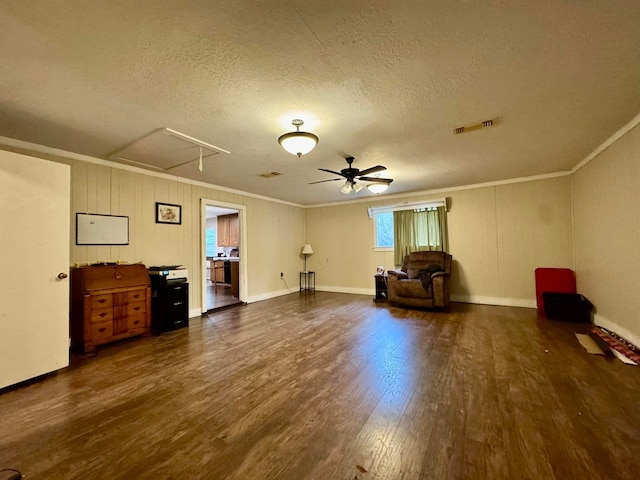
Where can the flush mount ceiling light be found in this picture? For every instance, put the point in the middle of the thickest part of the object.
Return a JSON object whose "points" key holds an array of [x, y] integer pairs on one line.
{"points": [[377, 187], [298, 143]]}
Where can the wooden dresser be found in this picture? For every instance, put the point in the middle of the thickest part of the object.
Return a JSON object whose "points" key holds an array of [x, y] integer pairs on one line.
{"points": [[109, 303]]}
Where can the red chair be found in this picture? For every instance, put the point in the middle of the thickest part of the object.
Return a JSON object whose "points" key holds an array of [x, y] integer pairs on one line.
{"points": [[556, 280]]}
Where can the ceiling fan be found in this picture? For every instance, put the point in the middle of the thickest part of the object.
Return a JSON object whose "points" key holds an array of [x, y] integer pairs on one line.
{"points": [[353, 175]]}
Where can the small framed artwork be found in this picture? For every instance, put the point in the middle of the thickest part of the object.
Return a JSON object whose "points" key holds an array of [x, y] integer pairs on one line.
{"points": [[168, 213]]}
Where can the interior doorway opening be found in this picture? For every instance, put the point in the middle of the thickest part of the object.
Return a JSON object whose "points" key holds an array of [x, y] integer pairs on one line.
{"points": [[223, 259]]}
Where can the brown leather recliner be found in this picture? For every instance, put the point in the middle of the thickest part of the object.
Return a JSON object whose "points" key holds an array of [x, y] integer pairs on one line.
{"points": [[406, 288]]}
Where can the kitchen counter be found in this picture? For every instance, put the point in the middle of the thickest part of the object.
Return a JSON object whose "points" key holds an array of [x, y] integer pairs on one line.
{"points": [[223, 272]]}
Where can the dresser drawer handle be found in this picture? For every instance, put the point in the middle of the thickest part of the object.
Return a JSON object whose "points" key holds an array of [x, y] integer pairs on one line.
{"points": [[175, 304], [136, 322], [102, 314], [137, 295], [101, 329], [102, 300], [136, 308]]}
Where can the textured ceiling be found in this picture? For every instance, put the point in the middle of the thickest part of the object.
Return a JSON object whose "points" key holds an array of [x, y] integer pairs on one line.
{"points": [[383, 81]]}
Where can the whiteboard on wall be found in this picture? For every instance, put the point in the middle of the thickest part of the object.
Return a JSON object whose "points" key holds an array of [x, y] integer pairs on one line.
{"points": [[95, 229]]}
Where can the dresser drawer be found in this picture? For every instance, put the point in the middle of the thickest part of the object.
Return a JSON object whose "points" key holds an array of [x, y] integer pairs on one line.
{"points": [[101, 301], [101, 332], [176, 290], [136, 308], [136, 321], [135, 296], [101, 315]]}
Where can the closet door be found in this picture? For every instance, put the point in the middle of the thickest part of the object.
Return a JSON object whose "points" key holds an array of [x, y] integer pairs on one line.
{"points": [[34, 289]]}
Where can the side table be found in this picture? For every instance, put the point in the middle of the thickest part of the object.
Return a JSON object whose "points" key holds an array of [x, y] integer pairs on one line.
{"points": [[307, 281], [381, 287]]}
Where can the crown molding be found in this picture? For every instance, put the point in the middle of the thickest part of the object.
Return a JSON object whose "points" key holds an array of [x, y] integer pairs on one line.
{"points": [[35, 148]]}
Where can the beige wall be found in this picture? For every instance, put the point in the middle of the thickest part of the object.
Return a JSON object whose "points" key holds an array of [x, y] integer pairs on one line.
{"points": [[275, 231], [498, 236], [607, 234]]}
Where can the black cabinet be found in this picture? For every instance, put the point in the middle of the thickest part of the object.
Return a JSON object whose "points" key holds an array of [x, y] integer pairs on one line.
{"points": [[227, 272], [169, 306], [381, 288]]}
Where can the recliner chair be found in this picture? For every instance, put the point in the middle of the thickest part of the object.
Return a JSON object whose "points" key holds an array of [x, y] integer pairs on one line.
{"points": [[406, 287]]}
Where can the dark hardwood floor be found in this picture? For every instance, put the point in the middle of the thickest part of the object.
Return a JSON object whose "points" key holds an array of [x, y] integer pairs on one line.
{"points": [[219, 296], [325, 386]]}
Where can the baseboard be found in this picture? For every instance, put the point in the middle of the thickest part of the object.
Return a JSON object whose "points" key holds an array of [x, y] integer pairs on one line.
{"points": [[614, 327], [194, 312], [353, 291], [504, 302], [268, 295]]}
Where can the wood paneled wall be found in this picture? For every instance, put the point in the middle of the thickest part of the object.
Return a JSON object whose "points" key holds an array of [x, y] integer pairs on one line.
{"points": [[498, 236], [275, 231], [607, 234]]}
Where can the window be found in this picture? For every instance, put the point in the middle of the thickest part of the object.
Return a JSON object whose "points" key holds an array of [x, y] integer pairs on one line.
{"points": [[417, 230], [410, 227], [384, 229], [210, 241]]}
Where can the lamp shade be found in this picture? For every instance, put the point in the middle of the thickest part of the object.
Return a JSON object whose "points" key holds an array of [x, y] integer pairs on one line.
{"points": [[377, 187], [307, 250], [351, 187], [298, 143], [346, 188]]}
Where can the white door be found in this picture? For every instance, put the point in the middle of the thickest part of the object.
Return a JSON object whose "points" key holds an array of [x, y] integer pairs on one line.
{"points": [[34, 246]]}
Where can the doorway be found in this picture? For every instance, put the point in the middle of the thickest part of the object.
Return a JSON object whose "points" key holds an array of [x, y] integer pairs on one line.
{"points": [[223, 255]]}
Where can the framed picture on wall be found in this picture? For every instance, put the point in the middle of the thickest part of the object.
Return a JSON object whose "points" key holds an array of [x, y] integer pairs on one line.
{"points": [[168, 213]]}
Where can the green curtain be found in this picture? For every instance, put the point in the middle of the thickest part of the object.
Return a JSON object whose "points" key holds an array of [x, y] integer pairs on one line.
{"points": [[414, 231]]}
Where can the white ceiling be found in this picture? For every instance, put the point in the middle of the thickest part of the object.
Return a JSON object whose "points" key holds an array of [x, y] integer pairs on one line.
{"points": [[383, 81]]}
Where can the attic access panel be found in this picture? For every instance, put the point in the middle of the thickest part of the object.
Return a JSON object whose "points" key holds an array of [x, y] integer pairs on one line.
{"points": [[165, 149]]}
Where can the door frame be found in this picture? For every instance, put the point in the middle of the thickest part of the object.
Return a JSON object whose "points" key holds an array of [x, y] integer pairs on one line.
{"points": [[242, 250]]}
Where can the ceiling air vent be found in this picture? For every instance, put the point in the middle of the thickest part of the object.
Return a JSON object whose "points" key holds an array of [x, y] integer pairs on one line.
{"points": [[270, 174], [475, 126]]}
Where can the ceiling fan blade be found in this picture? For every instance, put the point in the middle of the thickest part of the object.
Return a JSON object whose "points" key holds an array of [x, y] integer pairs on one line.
{"points": [[377, 168], [331, 171], [322, 181], [376, 179]]}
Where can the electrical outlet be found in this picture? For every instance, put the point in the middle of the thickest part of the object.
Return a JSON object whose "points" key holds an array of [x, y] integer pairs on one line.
{"points": [[281, 275]]}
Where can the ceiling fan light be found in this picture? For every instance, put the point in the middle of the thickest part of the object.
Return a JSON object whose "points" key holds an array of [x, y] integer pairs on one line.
{"points": [[357, 187], [377, 187], [298, 143], [346, 188]]}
